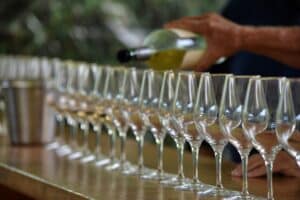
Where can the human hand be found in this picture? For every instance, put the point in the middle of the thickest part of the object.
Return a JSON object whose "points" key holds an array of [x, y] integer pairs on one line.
{"points": [[222, 36], [284, 164]]}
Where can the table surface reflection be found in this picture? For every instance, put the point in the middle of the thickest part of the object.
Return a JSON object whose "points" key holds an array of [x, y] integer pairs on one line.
{"points": [[40, 173]]}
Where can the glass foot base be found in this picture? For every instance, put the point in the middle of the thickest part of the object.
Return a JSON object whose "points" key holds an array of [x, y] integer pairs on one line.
{"points": [[129, 171], [175, 181], [63, 150], [52, 146], [239, 196], [126, 167], [101, 160], [218, 192], [88, 158], [113, 166], [194, 186], [136, 171], [156, 176], [74, 156]]}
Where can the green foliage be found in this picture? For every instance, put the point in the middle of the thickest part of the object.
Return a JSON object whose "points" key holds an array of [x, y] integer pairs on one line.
{"points": [[86, 29]]}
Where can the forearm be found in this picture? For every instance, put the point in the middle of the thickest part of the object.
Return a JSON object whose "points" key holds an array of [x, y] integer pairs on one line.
{"points": [[281, 44]]}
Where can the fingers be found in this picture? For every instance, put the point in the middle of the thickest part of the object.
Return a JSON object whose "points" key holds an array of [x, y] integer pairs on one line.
{"points": [[255, 166], [197, 24], [258, 171], [237, 171], [255, 161], [191, 25], [284, 164], [199, 17], [206, 61]]}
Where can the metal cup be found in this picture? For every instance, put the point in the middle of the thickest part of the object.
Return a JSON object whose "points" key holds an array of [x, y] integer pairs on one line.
{"points": [[29, 118]]}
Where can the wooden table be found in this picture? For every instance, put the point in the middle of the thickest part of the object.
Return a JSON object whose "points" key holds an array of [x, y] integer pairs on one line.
{"points": [[41, 174]]}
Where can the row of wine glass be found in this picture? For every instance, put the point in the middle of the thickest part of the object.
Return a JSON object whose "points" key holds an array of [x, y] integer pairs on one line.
{"points": [[246, 111]]}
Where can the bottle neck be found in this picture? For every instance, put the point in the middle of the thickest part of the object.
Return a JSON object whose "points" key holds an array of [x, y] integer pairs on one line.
{"points": [[144, 53]]}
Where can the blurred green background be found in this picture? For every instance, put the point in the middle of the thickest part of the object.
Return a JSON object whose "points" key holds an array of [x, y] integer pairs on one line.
{"points": [[89, 30]]}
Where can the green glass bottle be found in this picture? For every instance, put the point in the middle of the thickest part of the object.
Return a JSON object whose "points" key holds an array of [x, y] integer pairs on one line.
{"points": [[166, 49]]}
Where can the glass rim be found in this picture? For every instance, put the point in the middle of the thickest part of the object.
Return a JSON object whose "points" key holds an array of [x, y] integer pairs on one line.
{"points": [[293, 79], [268, 78]]}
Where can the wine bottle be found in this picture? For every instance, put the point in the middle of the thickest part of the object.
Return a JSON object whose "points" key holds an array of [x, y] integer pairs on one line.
{"points": [[167, 49]]}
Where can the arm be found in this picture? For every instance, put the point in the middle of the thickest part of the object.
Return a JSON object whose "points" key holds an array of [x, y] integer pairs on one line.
{"points": [[284, 164], [281, 44], [224, 38]]}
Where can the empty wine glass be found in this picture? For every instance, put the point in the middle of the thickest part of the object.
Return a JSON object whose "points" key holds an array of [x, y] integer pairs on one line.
{"points": [[230, 121], [182, 119], [2, 105], [287, 119], [118, 114], [49, 70], [86, 83], [116, 91], [97, 114], [71, 109], [106, 109], [206, 117], [132, 96], [151, 98], [60, 107], [55, 102], [168, 115], [259, 120]]}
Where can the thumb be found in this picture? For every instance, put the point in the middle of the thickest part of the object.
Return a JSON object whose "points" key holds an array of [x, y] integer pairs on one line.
{"points": [[206, 60]]}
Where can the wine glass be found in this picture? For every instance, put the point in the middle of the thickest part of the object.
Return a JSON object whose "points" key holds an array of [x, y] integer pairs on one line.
{"points": [[3, 60], [182, 120], [72, 107], [49, 69], [167, 112], [287, 119], [103, 109], [118, 114], [151, 96], [230, 121], [97, 115], [206, 117], [60, 107], [132, 110], [54, 102], [115, 91], [259, 120], [86, 83]]}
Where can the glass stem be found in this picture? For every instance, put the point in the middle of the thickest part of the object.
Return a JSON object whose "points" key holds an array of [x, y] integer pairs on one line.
{"points": [[140, 153], [269, 166], [85, 138], [61, 130], [195, 157], [218, 157], [244, 159], [74, 129], [57, 130], [112, 144], [98, 146], [160, 149], [180, 149], [123, 148]]}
